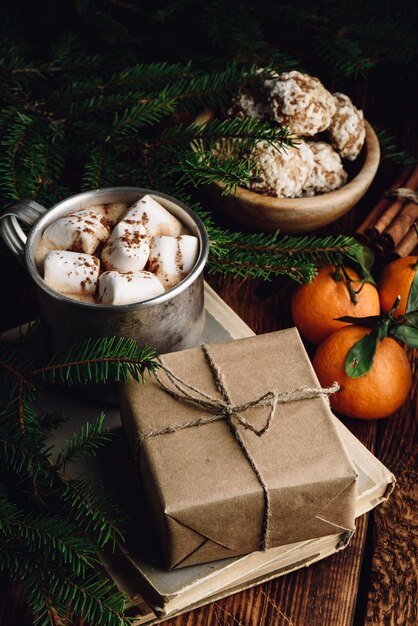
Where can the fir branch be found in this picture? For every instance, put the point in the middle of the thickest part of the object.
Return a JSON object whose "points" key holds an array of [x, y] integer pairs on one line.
{"points": [[192, 93], [300, 272], [33, 158], [57, 598], [277, 254], [224, 135], [100, 360], [390, 151], [84, 443], [23, 450], [17, 377], [100, 168], [149, 75], [11, 145], [147, 112], [204, 90], [344, 56], [127, 84], [19, 566], [94, 512], [202, 168], [114, 118], [46, 609], [20, 459], [50, 537], [51, 420], [15, 382], [325, 250], [96, 600]]}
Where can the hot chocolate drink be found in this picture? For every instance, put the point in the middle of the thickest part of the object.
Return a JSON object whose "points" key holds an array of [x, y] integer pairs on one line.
{"points": [[115, 253]]}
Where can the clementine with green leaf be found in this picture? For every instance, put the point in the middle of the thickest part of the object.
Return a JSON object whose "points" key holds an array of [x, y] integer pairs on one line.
{"points": [[375, 392], [400, 278], [332, 294]]}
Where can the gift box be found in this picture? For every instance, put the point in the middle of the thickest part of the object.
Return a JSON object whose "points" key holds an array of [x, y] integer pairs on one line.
{"points": [[237, 450]]}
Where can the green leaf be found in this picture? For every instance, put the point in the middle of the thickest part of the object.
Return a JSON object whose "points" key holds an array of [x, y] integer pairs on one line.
{"points": [[411, 319], [382, 329], [412, 302], [406, 334], [364, 258], [360, 358], [370, 321]]}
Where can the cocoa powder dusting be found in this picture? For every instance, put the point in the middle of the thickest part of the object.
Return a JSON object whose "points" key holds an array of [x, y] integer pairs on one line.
{"points": [[106, 223], [132, 238], [77, 243], [179, 258]]}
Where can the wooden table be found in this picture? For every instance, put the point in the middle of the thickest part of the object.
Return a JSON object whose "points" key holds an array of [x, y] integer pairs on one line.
{"points": [[373, 581]]}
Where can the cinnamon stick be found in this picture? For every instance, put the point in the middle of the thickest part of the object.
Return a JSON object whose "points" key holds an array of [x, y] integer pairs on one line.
{"points": [[382, 205], [406, 245], [394, 208], [400, 226]]}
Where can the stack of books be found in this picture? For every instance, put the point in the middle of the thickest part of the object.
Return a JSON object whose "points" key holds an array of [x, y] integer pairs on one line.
{"points": [[155, 593]]}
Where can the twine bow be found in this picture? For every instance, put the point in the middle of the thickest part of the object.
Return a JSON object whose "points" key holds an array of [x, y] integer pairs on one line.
{"points": [[224, 409]]}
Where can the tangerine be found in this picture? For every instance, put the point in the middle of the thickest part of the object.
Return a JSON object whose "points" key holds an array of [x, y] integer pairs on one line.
{"points": [[374, 395], [396, 279], [315, 306]]}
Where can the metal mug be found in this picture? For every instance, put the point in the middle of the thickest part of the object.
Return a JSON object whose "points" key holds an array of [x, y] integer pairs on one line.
{"points": [[169, 322]]}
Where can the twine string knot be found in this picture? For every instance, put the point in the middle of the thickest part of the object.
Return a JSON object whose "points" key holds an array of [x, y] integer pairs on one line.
{"points": [[223, 409]]}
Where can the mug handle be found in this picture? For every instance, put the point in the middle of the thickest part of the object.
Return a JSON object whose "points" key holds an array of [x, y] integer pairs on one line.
{"points": [[28, 211]]}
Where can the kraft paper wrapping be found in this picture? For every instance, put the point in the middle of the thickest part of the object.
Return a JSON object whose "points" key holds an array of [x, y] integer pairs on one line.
{"points": [[206, 499]]}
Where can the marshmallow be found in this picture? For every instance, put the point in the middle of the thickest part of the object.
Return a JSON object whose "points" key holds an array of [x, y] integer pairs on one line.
{"points": [[156, 219], [128, 287], [127, 249], [172, 258], [82, 231], [72, 273], [112, 211]]}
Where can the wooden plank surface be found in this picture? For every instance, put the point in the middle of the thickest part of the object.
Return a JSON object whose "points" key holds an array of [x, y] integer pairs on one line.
{"points": [[374, 581], [393, 589]]}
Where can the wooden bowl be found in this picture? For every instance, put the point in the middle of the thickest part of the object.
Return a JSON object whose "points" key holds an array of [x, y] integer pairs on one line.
{"points": [[296, 215]]}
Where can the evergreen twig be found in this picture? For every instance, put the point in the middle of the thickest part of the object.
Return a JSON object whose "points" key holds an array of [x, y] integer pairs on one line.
{"points": [[391, 151], [85, 443], [51, 527], [100, 360]]}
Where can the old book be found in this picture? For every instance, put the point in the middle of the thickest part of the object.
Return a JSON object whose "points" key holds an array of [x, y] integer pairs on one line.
{"points": [[157, 593], [171, 592]]}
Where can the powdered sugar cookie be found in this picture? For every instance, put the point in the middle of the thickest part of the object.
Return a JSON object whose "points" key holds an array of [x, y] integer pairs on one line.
{"points": [[327, 173], [301, 102], [282, 173], [347, 130], [251, 102]]}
